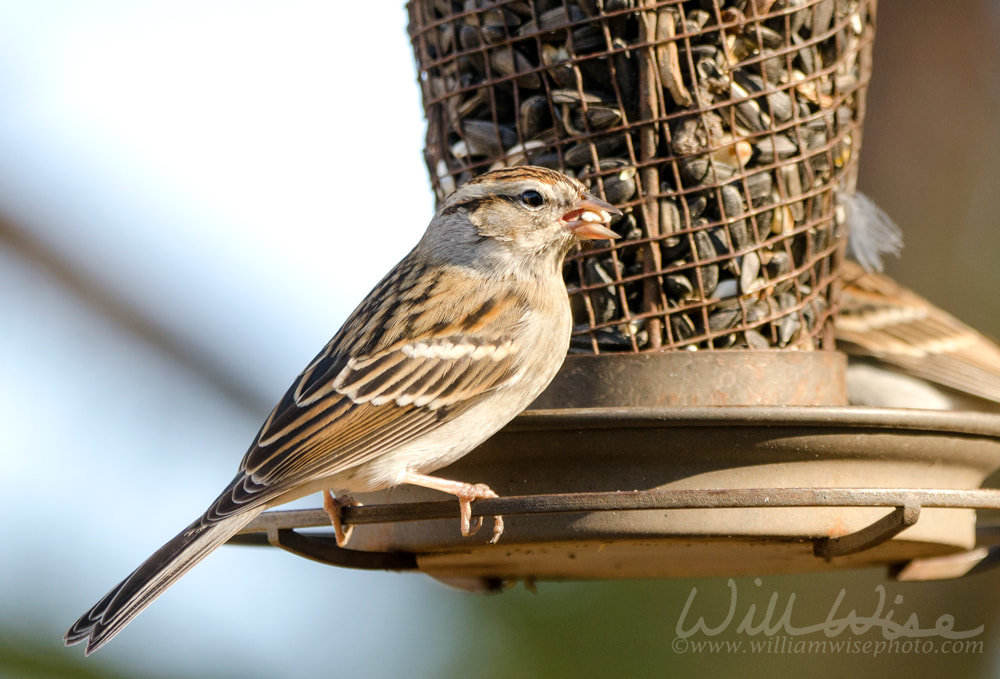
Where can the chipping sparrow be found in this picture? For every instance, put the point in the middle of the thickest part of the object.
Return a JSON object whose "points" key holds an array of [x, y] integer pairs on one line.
{"points": [[453, 343], [903, 351]]}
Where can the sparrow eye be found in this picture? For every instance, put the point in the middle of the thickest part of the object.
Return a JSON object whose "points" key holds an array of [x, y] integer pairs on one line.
{"points": [[532, 199]]}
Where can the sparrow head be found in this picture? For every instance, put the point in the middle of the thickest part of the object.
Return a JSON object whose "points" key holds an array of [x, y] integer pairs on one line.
{"points": [[522, 214]]}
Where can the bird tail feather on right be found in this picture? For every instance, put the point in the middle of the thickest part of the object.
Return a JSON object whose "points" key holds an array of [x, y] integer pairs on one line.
{"points": [[131, 596]]}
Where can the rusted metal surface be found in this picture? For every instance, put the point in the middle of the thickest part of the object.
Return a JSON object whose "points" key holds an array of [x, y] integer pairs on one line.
{"points": [[858, 420], [886, 528], [667, 492], [276, 528], [684, 378], [635, 500]]}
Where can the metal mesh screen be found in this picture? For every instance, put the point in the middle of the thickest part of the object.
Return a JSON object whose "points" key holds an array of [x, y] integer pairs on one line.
{"points": [[722, 128]]}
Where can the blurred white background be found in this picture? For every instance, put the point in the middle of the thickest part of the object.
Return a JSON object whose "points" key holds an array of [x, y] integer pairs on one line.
{"points": [[237, 174]]}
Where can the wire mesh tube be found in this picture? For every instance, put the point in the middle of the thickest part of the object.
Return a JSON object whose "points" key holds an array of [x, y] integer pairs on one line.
{"points": [[723, 128]]}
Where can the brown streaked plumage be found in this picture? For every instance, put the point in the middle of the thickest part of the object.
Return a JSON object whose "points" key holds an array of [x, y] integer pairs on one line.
{"points": [[455, 341], [880, 319], [904, 352]]}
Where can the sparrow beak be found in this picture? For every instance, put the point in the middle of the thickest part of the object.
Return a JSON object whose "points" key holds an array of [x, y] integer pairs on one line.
{"points": [[590, 217]]}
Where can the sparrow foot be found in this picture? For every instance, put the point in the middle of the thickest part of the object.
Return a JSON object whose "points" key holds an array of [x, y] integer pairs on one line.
{"points": [[334, 509], [466, 494]]}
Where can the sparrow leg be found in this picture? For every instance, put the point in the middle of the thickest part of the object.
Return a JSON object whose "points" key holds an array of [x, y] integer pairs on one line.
{"points": [[466, 493], [333, 506]]}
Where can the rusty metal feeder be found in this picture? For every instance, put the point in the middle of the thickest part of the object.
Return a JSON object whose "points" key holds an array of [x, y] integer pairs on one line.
{"points": [[606, 488]]}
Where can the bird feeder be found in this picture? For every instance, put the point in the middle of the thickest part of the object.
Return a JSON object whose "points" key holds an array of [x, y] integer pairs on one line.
{"points": [[594, 484], [700, 425]]}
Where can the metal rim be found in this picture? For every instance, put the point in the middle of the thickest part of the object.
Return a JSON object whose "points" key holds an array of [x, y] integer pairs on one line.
{"points": [[278, 528], [281, 528], [946, 422]]}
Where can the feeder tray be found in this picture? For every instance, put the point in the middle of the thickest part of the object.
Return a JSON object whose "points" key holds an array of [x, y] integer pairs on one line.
{"points": [[624, 491]]}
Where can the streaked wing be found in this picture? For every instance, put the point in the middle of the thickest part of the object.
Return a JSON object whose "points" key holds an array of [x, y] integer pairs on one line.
{"points": [[882, 319], [357, 400], [377, 402]]}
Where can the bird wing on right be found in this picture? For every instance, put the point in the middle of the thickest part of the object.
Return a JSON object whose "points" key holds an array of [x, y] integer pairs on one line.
{"points": [[884, 320]]}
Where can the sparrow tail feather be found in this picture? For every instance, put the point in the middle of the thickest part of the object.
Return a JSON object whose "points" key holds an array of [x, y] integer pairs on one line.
{"points": [[119, 606]]}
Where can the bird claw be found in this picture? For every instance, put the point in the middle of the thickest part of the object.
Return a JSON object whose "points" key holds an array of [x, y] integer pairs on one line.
{"points": [[465, 499], [466, 494], [334, 509]]}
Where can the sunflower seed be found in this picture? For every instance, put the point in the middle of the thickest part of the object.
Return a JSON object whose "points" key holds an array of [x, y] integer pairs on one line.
{"points": [[779, 264], [775, 147], [722, 319], [682, 326], [483, 138], [678, 286], [749, 268], [790, 184], [552, 20], [709, 272], [755, 340], [670, 217], [509, 62], [619, 186], [787, 329], [579, 154], [534, 116]]}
